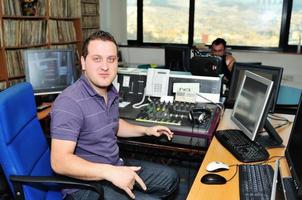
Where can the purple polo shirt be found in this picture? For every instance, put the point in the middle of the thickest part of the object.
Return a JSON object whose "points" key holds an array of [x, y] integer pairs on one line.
{"points": [[79, 114]]}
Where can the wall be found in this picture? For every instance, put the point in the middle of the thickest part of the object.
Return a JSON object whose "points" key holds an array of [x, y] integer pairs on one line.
{"points": [[292, 63], [113, 14]]}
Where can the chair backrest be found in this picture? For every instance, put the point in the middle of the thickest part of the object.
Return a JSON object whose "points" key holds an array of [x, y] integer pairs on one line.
{"points": [[23, 146]]}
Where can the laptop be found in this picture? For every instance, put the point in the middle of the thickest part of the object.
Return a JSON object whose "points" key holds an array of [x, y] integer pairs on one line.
{"points": [[278, 190]]}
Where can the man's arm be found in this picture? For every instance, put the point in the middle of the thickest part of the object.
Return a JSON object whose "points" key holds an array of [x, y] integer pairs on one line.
{"points": [[230, 60], [130, 130], [65, 162]]}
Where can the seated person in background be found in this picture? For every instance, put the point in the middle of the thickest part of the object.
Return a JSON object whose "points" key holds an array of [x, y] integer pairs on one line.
{"points": [[85, 125], [218, 48]]}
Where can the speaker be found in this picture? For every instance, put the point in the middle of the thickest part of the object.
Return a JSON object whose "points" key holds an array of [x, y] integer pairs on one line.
{"points": [[206, 66], [199, 115]]}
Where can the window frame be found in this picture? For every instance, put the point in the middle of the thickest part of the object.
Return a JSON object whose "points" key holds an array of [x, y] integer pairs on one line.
{"points": [[283, 39]]}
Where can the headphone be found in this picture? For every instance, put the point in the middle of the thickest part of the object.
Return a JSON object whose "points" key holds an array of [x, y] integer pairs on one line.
{"points": [[199, 115]]}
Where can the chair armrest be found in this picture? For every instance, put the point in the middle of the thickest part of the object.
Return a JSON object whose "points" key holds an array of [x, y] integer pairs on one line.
{"points": [[53, 181]]}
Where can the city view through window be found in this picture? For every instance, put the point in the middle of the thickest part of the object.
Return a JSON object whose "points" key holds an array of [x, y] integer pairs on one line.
{"points": [[242, 23]]}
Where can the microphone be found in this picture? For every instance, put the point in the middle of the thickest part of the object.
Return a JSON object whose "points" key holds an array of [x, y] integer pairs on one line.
{"points": [[209, 100]]}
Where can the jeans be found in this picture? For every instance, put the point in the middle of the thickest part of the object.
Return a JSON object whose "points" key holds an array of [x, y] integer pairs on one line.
{"points": [[161, 182]]}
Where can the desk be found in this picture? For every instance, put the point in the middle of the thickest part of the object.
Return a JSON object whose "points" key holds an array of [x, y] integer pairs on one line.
{"points": [[44, 113], [217, 152]]}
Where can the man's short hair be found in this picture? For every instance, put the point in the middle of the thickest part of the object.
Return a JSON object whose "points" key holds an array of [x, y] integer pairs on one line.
{"points": [[98, 35], [219, 41]]}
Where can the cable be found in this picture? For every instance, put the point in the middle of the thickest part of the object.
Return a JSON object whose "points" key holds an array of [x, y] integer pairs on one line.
{"points": [[140, 104], [217, 104], [235, 172], [277, 118], [278, 126]]}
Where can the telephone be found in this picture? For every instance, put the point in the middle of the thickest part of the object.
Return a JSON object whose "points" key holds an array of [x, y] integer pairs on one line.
{"points": [[157, 82]]}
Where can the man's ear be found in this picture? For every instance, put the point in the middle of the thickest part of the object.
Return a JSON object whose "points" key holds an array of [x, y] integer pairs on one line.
{"points": [[83, 63]]}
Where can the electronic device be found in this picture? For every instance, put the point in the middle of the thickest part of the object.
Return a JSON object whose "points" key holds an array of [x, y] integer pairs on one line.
{"points": [[157, 82], [251, 109], [199, 115], [208, 87], [244, 149], [293, 151], [255, 181], [206, 65], [131, 86], [49, 70], [261, 181], [213, 179], [216, 166], [173, 113], [177, 57], [272, 73]]}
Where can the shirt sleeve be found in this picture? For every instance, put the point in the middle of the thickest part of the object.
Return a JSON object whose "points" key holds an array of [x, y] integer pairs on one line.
{"points": [[66, 119]]}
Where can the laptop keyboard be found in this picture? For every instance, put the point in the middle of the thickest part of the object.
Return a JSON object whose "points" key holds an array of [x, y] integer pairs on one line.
{"points": [[255, 181]]}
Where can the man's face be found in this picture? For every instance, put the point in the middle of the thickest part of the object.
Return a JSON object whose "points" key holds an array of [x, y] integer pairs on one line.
{"points": [[218, 50], [101, 63]]}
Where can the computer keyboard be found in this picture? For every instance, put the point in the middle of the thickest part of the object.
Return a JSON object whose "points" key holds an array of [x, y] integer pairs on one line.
{"points": [[255, 181], [244, 149]]}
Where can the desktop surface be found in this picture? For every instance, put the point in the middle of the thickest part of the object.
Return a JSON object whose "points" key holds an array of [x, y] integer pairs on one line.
{"points": [[217, 152]]}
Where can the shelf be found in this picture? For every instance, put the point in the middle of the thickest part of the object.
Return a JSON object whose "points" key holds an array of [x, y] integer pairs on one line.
{"points": [[65, 18], [16, 77], [25, 46], [20, 33], [64, 43], [90, 2], [90, 15], [24, 17], [91, 27]]}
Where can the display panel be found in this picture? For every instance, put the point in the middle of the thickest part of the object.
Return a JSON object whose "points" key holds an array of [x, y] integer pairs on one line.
{"points": [[251, 109], [269, 72], [49, 70]]}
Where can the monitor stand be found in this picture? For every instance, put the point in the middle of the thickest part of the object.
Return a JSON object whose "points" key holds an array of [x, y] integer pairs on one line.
{"points": [[272, 139]]}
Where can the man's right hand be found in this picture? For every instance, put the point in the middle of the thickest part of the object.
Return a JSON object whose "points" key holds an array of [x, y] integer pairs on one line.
{"points": [[125, 177]]}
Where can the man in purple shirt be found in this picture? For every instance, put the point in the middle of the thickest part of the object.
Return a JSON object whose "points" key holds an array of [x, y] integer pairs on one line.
{"points": [[84, 128]]}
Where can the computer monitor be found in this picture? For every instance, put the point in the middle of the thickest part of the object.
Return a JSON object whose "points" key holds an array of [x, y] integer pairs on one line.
{"points": [[293, 151], [251, 109], [269, 72], [177, 58], [49, 70], [206, 65]]}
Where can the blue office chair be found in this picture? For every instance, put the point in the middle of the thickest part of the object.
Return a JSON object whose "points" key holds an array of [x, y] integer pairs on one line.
{"points": [[24, 152]]}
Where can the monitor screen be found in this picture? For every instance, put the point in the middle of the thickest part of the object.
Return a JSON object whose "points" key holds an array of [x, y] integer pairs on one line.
{"points": [[269, 72], [49, 70], [251, 109], [209, 87], [206, 65], [293, 151], [177, 58]]}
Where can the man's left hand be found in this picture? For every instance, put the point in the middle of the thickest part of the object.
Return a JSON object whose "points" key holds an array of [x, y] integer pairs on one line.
{"points": [[158, 131]]}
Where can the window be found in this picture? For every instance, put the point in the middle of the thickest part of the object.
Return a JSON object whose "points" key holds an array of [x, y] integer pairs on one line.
{"points": [[166, 21], [131, 19], [241, 23], [295, 30], [249, 24]]}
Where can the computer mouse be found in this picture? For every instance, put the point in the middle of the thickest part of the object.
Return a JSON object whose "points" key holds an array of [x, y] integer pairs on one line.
{"points": [[213, 179], [216, 166]]}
